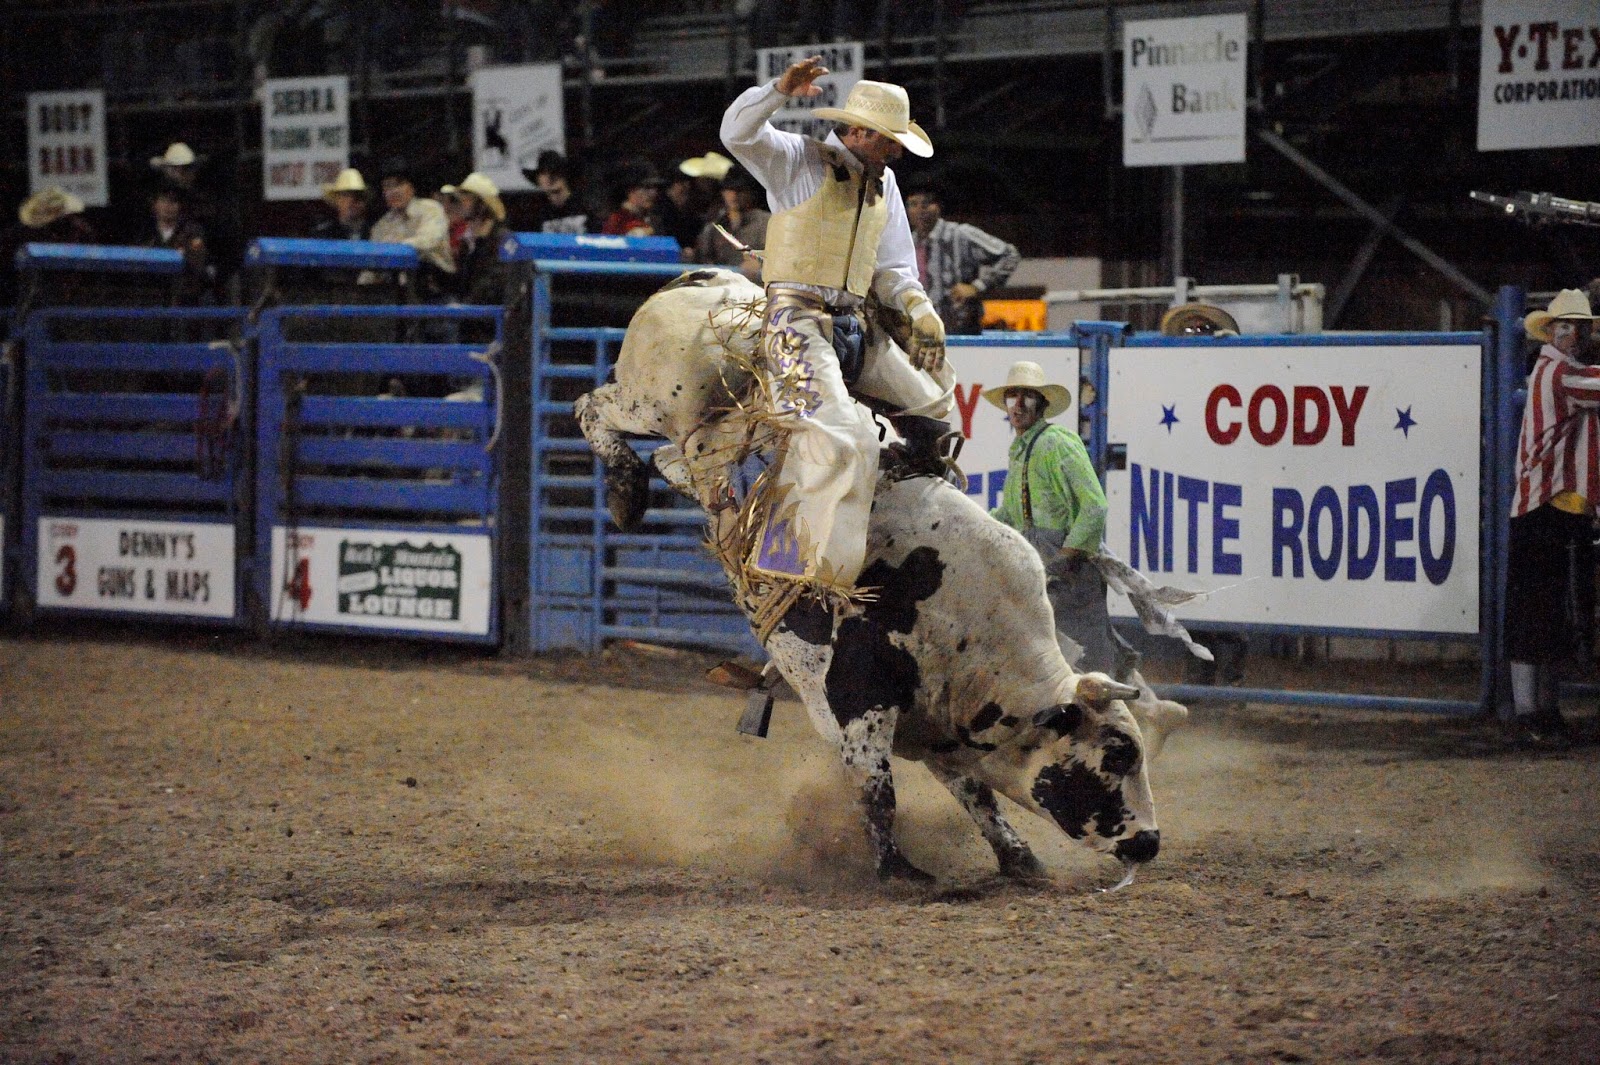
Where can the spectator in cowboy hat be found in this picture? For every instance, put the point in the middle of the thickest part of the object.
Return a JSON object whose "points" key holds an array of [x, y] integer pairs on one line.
{"points": [[416, 221], [1052, 496], [1549, 598], [481, 276], [347, 195], [1198, 319], [635, 190], [173, 226], [50, 216], [177, 164], [742, 217], [564, 209]]}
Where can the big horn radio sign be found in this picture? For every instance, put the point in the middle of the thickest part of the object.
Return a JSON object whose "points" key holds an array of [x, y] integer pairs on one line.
{"points": [[1332, 487]]}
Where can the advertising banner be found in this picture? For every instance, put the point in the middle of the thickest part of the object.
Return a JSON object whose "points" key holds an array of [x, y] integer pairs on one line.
{"points": [[370, 578], [1333, 487], [1539, 76], [67, 144], [178, 568], [516, 114], [305, 135], [986, 453], [1183, 90], [844, 60]]}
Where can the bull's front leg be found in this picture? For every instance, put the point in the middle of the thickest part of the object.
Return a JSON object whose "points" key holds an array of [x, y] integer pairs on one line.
{"points": [[865, 743], [604, 416], [1016, 858]]}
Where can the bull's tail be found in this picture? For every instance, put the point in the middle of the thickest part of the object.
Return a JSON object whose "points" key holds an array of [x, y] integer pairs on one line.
{"points": [[627, 477]]}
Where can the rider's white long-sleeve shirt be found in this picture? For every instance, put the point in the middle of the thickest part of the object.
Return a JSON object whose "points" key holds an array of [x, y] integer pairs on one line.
{"points": [[792, 167]]}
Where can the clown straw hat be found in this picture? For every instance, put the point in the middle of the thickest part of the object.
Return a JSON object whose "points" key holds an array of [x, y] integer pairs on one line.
{"points": [[1031, 375], [1187, 315], [483, 188], [48, 205], [880, 106], [349, 180], [1570, 305]]}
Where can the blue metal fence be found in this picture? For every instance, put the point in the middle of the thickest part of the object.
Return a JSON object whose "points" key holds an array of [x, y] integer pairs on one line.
{"points": [[588, 581], [378, 472], [9, 449], [135, 489]]}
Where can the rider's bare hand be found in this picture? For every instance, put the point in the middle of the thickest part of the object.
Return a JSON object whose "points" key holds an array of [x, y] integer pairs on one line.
{"points": [[796, 81]]}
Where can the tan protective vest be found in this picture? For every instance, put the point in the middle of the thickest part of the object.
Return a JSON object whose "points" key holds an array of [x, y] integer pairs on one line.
{"points": [[831, 239]]}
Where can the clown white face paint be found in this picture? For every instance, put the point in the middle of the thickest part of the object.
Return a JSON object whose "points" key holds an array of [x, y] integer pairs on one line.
{"points": [[1569, 337], [1023, 407]]}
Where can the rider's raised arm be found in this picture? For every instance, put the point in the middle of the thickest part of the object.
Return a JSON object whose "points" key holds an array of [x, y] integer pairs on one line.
{"points": [[776, 157]]}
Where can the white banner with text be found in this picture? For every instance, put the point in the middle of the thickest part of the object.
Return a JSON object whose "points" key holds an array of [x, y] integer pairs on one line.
{"points": [[305, 135], [516, 114], [1320, 486], [844, 60], [145, 567], [1183, 90], [1539, 76], [67, 144]]}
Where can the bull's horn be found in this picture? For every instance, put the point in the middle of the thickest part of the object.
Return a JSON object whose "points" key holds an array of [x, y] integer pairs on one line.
{"points": [[1099, 688]]}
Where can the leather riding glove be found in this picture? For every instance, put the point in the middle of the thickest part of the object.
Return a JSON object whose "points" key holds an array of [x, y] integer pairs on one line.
{"points": [[927, 332]]}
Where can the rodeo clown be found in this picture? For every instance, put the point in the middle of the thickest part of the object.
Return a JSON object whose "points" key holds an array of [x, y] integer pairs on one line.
{"points": [[838, 232]]}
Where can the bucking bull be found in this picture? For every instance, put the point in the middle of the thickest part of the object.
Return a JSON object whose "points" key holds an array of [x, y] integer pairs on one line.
{"points": [[954, 662]]}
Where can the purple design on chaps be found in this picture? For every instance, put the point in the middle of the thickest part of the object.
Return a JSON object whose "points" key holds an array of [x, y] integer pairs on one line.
{"points": [[780, 549]]}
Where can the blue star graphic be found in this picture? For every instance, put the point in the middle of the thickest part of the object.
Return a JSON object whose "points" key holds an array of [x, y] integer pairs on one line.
{"points": [[1169, 416], [1406, 421]]}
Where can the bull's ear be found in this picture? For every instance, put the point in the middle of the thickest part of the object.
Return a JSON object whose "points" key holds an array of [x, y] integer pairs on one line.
{"points": [[1063, 718]]}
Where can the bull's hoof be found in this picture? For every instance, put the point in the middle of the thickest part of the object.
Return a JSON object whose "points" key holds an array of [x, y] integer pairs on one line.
{"points": [[1023, 866], [627, 495], [896, 867]]}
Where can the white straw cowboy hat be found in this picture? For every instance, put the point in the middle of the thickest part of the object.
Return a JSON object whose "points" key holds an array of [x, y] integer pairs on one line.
{"points": [[349, 180], [880, 106], [47, 205], [1570, 305], [1030, 375], [483, 188], [711, 165], [177, 154], [1196, 317]]}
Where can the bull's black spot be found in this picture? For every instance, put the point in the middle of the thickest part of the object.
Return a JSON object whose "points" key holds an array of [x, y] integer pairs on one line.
{"points": [[692, 279], [1063, 719], [867, 670], [932, 527], [1120, 753], [1010, 721], [1074, 796], [944, 746], [962, 646], [810, 620], [987, 718], [965, 735]]}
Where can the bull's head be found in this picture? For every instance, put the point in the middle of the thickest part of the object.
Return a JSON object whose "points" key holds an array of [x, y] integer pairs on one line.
{"points": [[1082, 765]]}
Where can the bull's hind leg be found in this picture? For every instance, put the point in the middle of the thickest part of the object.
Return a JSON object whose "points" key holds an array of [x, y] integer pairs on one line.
{"points": [[861, 729], [604, 415], [1016, 858]]}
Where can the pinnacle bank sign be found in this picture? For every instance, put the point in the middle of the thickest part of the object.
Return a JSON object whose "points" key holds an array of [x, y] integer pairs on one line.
{"points": [[1539, 74], [1183, 90]]}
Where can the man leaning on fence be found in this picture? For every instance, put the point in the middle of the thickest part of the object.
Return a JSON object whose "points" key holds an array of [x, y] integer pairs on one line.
{"points": [[1549, 605], [838, 232]]}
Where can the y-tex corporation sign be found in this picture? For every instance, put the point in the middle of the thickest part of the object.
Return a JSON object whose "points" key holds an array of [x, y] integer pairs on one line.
{"points": [[1539, 75], [1183, 90]]}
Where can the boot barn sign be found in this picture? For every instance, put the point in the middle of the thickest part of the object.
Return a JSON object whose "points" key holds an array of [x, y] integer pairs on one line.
{"points": [[1183, 90], [1539, 75], [1332, 487]]}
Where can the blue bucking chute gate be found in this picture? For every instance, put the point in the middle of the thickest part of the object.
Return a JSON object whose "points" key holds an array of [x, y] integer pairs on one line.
{"points": [[339, 457]]}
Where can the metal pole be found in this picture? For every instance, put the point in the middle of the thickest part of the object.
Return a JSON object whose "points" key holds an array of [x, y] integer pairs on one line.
{"points": [[586, 24], [1177, 221], [938, 67], [1366, 210]]}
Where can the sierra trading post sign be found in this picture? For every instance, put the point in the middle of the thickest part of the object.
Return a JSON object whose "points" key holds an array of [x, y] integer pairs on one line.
{"points": [[305, 135], [1183, 90], [844, 60], [1329, 487], [1539, 74]]}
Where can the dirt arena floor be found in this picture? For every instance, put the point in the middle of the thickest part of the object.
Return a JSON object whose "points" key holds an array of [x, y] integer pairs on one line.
{"points": [[217, 850]]}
